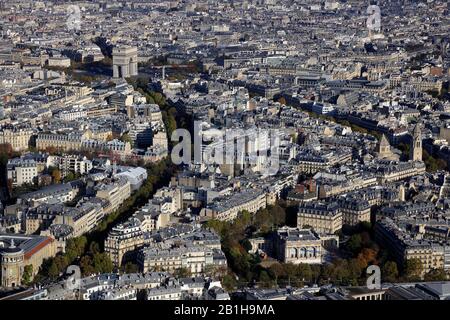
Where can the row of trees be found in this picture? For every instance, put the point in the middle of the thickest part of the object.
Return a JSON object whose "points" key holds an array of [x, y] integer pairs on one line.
{"points": [[346, 123], [433, 164], [347, 268], [87, 251], [78, 251], [236, 246], [169, 113]]}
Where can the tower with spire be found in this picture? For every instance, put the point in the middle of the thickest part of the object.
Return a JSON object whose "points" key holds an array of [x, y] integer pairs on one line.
{"points": [[383, 147], [416, 144]]}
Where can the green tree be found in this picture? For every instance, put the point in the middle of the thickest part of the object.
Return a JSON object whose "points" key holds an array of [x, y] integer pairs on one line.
{"points": [[69, 177], [291, 271], [94, 248], [182, 273], [413, 269], [277, 270], [304, 272], [86, 265], [27, 275], [61, 262], [229, 282], [130, 267], [389, 272], [436, 275], [354, 244], [53, 271], [169, 122], [102, 263], [126, 138], [278, 215], [75, 248], [265, 280]]}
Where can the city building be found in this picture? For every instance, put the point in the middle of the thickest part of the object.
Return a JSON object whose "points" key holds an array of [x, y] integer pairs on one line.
{"points": [[323, 218], [19, 252]]}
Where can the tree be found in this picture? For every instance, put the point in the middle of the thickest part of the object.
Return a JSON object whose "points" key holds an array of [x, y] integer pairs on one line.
{"points": [[354, 244], [229, 282], [247, 245], [70, 177], [368, 256], [75, 248], [282, 101], [94, 248], [355, 269], [102, 263], [53, 271], [56, 175], [433, 164], [61, 262], [126, 138], [5, 153], [130, 267], [86, 265], [436, 275], [278, 215], [304, 272], [169, 121], [277, 270], [27, 274], [389, 272], [291, 270], [413, 268], [182, 273], [265, 280], [262, 220]]}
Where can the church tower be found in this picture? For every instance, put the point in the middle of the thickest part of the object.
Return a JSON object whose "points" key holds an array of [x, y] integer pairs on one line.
{"points": [[416, 144], [383, 150], [383, 147]]}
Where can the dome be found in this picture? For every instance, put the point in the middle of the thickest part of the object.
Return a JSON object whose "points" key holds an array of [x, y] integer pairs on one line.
{"points": [[9, 248]]}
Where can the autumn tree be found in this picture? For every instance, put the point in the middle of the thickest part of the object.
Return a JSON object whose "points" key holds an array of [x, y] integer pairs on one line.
{"points": [[282, 101], [56, 175], [389, 272]]}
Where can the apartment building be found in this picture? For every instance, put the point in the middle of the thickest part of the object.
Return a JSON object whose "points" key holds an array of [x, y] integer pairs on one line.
{"points": [[227, 208], [19, 139], [192, 257], [59, 141], [22, 171], [432, 254], [124, 239], [115, 192], [322, 217]]}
